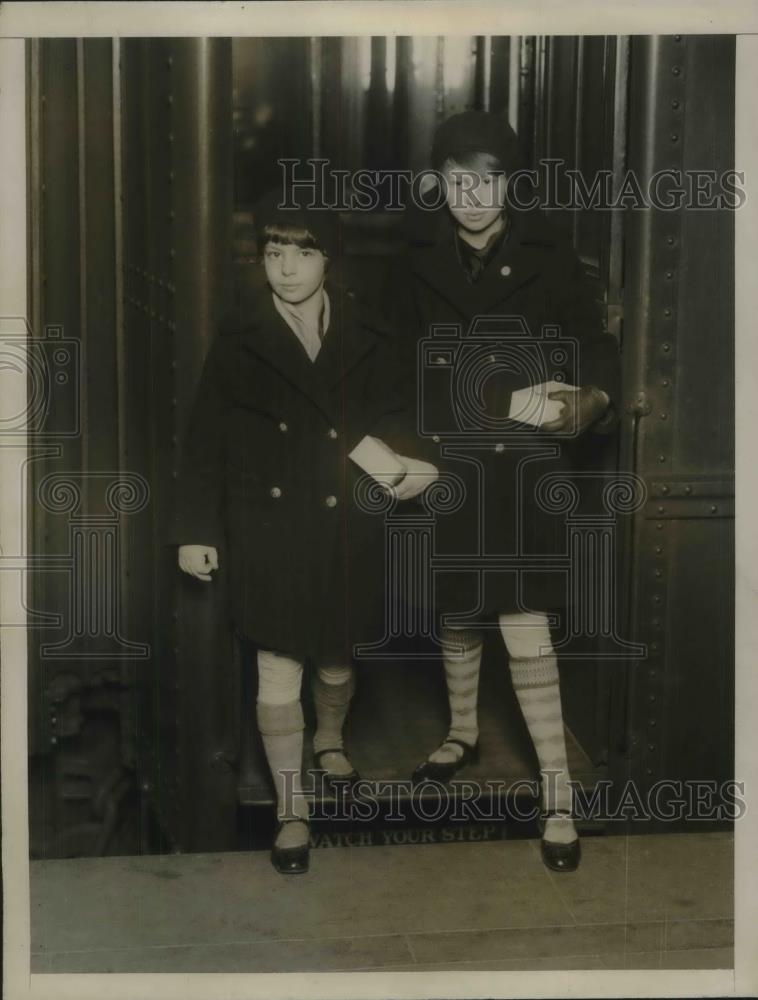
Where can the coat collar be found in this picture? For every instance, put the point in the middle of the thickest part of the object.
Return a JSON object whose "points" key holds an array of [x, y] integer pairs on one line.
{"points": [[517, 262], [263, 333]]}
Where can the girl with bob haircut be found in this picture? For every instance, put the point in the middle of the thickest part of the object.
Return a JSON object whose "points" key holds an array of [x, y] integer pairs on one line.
{"points": [[298, 378]]}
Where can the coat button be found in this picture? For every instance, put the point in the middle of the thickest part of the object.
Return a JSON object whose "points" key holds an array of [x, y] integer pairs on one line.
{"points": [[500, 447], [505, 270], [275, 492], [331, 501], [283, 427], [332, 434]]}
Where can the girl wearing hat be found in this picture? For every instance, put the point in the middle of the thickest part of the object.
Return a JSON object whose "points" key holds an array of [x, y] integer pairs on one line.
{"points": [[479, 266], [297, 377]]}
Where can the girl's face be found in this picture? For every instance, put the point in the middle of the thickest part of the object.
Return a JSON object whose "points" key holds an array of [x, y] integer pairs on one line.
{"points": [[294, 273], [475, 199]]}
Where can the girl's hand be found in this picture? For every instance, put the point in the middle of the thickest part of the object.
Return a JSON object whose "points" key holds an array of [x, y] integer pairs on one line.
{"points": [[419, 475], [581, 408], [198, 560]]}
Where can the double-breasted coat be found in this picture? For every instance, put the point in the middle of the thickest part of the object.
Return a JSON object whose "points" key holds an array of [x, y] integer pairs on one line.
{"points": [[530, 317], [265, 475]]}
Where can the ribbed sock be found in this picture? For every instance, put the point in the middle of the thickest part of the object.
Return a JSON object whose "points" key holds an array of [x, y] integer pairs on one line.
{"points": [[281, 728], [333, 689], [535, 681], [461, 657]]}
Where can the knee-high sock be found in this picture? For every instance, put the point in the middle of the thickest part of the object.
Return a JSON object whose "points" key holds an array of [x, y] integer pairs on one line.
{"points": [[534, 671], [281, 726], [333, 689], [461, 657]]}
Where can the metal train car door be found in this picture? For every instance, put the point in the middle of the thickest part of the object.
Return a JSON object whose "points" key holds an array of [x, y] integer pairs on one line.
{"points": [[147, 155]]}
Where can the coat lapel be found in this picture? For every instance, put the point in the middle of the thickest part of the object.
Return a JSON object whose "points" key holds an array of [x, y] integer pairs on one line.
{"points": [[266, 336], [517, 263], [348, 340]]}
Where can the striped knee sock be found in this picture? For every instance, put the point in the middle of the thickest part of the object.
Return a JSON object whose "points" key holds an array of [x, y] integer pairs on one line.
{"points": [[461, 656], [535, 681]]}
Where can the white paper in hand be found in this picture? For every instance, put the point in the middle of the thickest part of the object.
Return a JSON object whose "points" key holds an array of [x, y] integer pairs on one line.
{"points": [[381, 462], [531, 405]]}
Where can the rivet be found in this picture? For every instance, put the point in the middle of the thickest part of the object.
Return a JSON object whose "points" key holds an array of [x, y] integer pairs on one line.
{"points": [[676, 70], [714, 508], [688, 490], [648, 770], [675, 105], [661, 458], [651, 746], [670, 240], [667, 312], [665, 383], [665, 348], [658, 573], [661, 510], [677, 38], [659, 527], [664, 489], [657, 599], [658, 550], [664, 416], [674, 137], [652, 723], [669, 275]]}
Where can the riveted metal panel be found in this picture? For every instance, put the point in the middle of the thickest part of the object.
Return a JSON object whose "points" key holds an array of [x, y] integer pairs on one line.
{"points": [[678, 344]]}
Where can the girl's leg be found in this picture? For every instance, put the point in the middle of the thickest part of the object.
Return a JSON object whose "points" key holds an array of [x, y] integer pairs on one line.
{"points": [[461, 657], [534, 671], [333, 688], [281, 724]]}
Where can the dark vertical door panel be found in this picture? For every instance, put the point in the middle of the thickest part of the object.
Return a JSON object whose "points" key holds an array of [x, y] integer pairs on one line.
{"points": [[678, 434]]}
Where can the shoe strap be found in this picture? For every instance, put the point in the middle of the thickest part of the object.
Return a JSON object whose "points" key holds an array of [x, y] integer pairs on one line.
{"points": [[460, 743]]}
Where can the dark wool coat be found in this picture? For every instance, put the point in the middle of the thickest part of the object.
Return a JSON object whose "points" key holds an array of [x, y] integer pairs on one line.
{"points": [[468, 347], [266, 479]]}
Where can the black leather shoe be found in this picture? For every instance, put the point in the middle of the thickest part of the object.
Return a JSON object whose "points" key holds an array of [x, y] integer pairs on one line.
{"points": [[336, 782], [559, 857], [431, 770], [290, 860]]}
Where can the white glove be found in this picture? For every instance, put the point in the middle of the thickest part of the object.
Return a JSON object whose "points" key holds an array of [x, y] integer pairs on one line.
{"points": [[198, 560]]}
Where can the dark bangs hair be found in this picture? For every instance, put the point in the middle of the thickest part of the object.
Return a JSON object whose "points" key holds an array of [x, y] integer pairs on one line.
{"points": [[475, 160], [289, 233]]}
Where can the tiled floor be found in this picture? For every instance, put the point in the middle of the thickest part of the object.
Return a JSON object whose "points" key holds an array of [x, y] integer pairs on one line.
{"points": [[649, 901]]}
